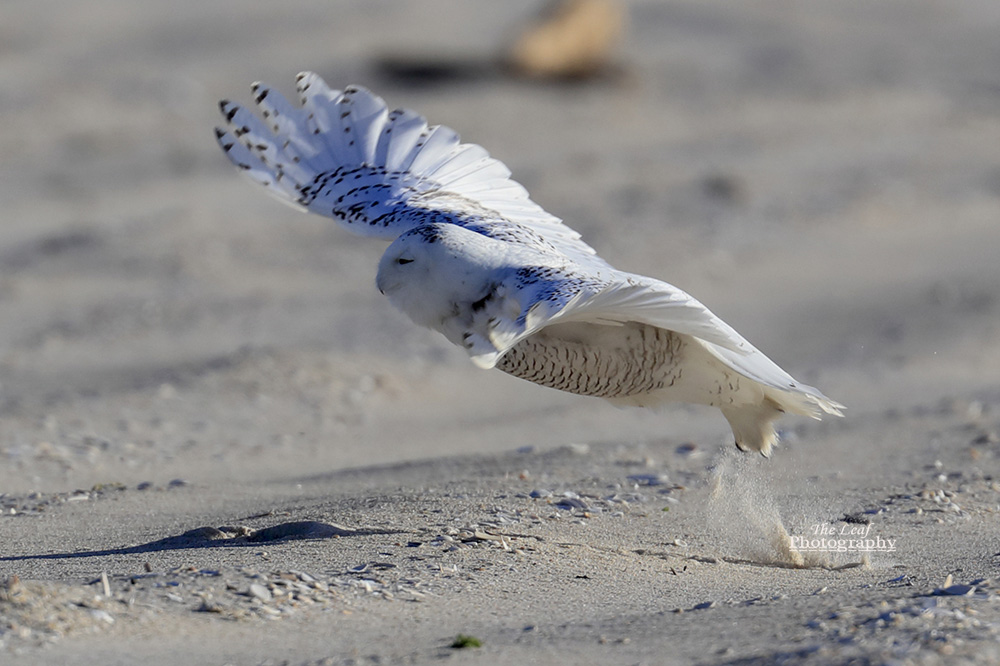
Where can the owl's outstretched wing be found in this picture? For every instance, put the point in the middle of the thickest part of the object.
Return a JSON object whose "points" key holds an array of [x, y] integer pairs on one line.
{"points": [[533, 298], [381, 173]]}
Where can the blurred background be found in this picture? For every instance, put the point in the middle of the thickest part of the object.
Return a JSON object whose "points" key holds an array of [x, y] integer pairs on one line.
{"points": [[825, 176]]}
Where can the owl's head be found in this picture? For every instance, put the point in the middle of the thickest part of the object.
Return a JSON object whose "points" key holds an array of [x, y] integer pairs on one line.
{"points": [[433, 271]]}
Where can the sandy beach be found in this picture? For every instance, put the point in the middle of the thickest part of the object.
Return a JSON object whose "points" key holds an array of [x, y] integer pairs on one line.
{"points": [[221, 445]]}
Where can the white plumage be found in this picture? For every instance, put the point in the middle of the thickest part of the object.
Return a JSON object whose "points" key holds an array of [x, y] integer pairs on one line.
{"points": [[474, 258]]}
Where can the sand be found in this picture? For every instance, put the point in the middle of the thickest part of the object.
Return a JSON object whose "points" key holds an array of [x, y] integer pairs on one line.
{"points": [[220, 444]]}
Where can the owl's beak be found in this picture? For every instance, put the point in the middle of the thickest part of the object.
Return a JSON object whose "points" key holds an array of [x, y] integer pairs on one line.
{"points": [[380, 283]]}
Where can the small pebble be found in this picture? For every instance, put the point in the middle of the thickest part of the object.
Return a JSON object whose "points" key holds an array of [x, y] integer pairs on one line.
{"points": [[258, 591], [687, 449], [956, 590], [648, 479], [209, 606], [102, 615], [572, 502]]}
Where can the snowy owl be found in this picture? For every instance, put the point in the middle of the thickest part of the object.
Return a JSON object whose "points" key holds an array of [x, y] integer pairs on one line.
{"points": [[473, 257]]}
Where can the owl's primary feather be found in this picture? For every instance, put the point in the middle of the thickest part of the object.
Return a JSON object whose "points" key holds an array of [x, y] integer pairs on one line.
{"points": [[474, 258], [381, 173]]}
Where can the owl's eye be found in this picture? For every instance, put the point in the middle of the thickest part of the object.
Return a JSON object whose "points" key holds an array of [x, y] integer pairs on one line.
{"points": [[402, 261]]}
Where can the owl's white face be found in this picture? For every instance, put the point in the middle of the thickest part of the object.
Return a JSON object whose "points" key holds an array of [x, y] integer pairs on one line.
{"points": [[433, 272]]}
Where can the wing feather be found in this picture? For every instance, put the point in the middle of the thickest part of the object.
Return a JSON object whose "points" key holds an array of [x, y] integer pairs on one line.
{"points": [[626, 298], [552, 295], [343, 155]]}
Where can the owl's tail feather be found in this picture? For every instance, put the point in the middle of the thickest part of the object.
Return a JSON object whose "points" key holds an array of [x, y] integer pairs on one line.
{"points": [[752, 421], [752, 425]]}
